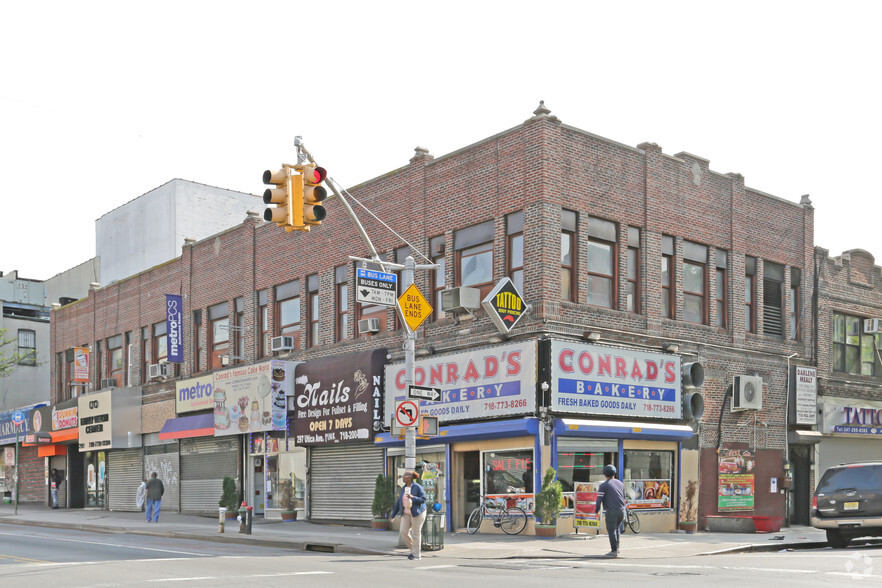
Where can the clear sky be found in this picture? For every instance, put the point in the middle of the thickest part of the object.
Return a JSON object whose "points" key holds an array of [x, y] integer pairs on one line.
{"points": [[101, 102]]}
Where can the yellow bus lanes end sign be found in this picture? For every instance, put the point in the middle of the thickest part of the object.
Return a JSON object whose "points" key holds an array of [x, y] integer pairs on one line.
{"points": [[414, 307]]}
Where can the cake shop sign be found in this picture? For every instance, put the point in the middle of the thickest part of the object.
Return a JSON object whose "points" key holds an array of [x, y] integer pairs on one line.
{"points": [[483, 383], [592, 379]]}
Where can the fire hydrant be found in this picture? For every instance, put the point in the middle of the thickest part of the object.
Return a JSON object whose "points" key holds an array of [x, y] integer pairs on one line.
{"points": [[222, 519], [245, 515]]}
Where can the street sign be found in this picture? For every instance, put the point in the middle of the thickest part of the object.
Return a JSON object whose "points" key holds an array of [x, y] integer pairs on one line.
{"points": [[407, 413], [373, 287], [504, 305], [424, 393], [414, 307]]}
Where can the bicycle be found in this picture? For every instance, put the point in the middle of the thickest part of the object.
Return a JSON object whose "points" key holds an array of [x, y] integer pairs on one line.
{"points": [[631, 521], [511, 519]]}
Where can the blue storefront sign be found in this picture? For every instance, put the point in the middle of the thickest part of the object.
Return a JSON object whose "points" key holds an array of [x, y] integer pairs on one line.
{"points": [[8, 427], [174, 327]]}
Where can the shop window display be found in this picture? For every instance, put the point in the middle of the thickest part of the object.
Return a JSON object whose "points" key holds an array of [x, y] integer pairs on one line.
{"points": [[273, 465], [583, 464], [508, 477], [649, 478], [430, 466]]}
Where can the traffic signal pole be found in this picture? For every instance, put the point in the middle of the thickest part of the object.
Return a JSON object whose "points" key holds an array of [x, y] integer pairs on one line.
{"points": [[407, 278]]}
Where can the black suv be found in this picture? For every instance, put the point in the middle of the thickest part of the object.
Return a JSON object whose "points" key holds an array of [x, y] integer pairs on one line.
{"points": [[848, 502]]}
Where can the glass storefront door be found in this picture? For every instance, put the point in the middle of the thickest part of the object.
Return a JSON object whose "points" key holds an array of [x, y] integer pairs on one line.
{"points": [[95, 467]]}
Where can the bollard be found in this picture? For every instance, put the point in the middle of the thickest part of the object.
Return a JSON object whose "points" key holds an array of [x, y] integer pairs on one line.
{"points": [[222, 519], [250, 513], [243, 517]]}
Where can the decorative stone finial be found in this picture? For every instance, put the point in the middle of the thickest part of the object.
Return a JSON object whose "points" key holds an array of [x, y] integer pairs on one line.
{"points": [[805, 200], [542, 110]]}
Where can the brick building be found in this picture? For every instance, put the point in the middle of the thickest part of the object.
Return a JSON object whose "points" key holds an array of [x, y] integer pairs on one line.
{"points": [[634, 263], [848, 365]]}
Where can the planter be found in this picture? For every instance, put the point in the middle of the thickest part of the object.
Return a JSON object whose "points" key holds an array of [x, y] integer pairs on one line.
{"points": [[380, 524], [767, 524], [687, 526], [289, 515], [231, 515], [546, 531]]}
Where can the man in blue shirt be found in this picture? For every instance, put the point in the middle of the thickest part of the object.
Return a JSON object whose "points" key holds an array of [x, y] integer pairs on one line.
{"points": [[611, 495]]}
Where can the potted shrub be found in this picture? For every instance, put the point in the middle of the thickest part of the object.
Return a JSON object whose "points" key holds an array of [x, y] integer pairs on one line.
{"points": [[384, 501], [289, 513], [230, 498], [689, 509], [548, 505]]}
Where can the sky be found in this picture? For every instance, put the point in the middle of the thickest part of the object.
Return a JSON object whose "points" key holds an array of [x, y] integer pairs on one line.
{"points": [[101, 102]]}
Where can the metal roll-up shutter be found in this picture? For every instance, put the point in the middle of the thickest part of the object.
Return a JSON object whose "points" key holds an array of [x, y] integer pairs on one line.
{"points": [[59, 462], [162, 457], [834, 451], [356, 467], [124, 473], [204, 464]]}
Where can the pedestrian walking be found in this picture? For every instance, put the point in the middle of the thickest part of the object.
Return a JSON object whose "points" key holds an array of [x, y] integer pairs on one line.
{"points": [[411, 506], [611, 495], [56, 479], [141, 494], [155, 490]]}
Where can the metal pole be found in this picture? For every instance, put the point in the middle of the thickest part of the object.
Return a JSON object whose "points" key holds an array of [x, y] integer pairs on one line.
{"points": [[16, 468], [409, 346]]}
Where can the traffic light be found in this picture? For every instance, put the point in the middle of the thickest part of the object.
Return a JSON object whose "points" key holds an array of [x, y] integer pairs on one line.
{"points": [[692, 378], [282, 196], [313, 194]]}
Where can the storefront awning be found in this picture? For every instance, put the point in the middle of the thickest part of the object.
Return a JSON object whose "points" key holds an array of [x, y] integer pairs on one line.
{"points": [[469, 432], [200, 425], [621, 430], [799, 437]]}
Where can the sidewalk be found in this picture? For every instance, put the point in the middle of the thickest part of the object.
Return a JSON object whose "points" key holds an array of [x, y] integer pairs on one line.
{"points": [[305, 536]]}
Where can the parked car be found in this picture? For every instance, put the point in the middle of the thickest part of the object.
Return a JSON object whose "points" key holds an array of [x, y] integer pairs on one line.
{"points": [[848, 502]]}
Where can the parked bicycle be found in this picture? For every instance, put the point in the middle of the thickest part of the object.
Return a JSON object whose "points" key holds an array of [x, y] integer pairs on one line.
{"points": [[631, 520], [511, 519]]}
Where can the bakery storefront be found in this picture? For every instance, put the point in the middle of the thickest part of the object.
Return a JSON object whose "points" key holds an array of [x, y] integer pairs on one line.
{"points": [[488, 442], [336, 409], [852, 431], [621, 407]]}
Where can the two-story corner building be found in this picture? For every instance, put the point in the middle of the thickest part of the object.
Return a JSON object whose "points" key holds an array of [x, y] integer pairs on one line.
{"points": [[849, 335], [24, 328], [634, 263]]}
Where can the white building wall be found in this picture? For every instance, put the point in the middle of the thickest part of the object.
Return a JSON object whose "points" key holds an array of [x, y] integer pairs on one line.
{"points": [[151, 229], [26, 385]]}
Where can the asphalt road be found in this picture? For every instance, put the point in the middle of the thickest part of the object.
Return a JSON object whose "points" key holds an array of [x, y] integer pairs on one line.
{"points": [[62, 558]]}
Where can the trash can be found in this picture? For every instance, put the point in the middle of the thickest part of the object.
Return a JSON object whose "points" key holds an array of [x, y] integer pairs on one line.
{"points": [[433, 532]]}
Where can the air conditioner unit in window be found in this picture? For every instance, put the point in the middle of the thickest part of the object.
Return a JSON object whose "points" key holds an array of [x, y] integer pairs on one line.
{"points": [[167, 369], [462, 299], [108, 383], [154, 370], [872, 325], [282, 343], [369, 325], [747, 393]]}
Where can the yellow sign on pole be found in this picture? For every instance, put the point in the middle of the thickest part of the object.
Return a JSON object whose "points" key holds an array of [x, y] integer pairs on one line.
{"points": [[414, 307]]}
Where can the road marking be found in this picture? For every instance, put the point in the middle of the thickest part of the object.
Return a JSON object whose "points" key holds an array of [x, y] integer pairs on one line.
{"points": [[435, 567], [279, 575], [20, 559], [620, 564], [56, 539]]}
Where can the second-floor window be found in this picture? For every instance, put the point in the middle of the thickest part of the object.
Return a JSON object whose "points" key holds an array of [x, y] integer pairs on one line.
{"points": [[160, 343], [219, 332], [264, 343], [439, 277], [115, 360], [474, 256], [773, 299], [288, 311], [795, 314], [568, 223], [312, 310], [854, 352], [694, 282], [632, 297], [27, 347], [341, 275], [601, 262], [750, 294], [722, 289], [667, 276]]}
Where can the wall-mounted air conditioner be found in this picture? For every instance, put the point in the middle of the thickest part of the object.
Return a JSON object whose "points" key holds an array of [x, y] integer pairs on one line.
{"points": [[283, 343], [462, 299], [747, 393], [154, 370], [369, 325], [108, 383], [872, 325]]}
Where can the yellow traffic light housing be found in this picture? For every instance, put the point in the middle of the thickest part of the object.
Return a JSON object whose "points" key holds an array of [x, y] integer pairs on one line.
{"points": [[313, 194], [282, 196]]}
